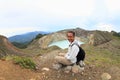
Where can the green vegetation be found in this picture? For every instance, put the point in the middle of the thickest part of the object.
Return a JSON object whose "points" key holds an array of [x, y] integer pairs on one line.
{"points": [[39, 36], [115, 34], [25, 62], [100, 56], [20, 45]]}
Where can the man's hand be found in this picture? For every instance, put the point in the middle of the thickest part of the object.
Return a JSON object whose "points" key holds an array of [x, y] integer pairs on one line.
{"points": [[61, 54]]}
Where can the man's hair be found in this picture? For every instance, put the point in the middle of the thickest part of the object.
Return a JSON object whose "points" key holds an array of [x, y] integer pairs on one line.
{"points": [[71, 32]]}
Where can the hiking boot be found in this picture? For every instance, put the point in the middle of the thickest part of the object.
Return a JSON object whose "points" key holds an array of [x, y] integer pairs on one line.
{"points": [[57, 66], [81, 64]]}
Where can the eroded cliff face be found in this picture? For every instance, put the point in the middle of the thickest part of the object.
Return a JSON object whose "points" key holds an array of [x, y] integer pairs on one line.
{"points": [[46, 40], [6, 48], [99, 37]]}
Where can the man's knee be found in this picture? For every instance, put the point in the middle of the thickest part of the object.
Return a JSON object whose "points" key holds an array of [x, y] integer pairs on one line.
{"points": [[58, 58]]}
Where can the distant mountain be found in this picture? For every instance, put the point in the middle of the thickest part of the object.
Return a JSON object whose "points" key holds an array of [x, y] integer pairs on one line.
{"points": [[25, 38]]}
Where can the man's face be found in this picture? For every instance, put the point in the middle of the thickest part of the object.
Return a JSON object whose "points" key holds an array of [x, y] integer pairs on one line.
{"points": [[70, 37]]}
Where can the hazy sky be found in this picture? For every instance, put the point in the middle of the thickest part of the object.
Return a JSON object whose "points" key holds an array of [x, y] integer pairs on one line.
{"points": [[20, 16]]}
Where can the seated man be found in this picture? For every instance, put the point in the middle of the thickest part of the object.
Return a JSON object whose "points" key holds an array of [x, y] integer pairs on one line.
{"points": [[70, 57]]}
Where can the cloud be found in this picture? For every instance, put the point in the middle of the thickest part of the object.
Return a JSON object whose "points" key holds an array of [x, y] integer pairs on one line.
{"points": [[55, 7], [53, 15], [105, 27], [7, 31], [113, 6], [68, 7]]}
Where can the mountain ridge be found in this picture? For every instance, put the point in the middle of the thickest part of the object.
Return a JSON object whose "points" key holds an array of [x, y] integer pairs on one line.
{"points": [[91, 37], [27, 37]]}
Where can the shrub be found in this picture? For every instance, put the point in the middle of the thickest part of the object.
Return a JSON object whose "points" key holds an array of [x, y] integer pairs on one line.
{"points": [[115, 34], [39, 36], [25, 62]]}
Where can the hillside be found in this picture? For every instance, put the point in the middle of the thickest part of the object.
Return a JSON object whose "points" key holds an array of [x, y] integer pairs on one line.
{"points": [[97, 63], [6, 48], [91, 37], [102, 56]]}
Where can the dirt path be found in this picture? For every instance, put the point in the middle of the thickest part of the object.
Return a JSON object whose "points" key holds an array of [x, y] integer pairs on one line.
{"points": [[10, 71]]}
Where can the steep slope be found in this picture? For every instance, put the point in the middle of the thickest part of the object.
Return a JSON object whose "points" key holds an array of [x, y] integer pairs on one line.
{"points": [[6, 48], [99, 37]]}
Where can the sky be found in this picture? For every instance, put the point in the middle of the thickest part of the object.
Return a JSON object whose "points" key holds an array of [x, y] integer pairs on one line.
{"points": [[21, 16]]}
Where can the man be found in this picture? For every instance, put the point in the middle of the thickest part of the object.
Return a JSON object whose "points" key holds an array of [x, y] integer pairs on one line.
{"points": [[70, 57]]}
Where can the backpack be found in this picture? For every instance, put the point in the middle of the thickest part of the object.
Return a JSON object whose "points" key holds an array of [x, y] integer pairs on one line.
{"points": [[81, 54]]}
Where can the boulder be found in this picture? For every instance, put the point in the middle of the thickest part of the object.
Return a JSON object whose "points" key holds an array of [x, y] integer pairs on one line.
{"points": [[45, 69], [68, 69], [106, 76], [77, 69]]}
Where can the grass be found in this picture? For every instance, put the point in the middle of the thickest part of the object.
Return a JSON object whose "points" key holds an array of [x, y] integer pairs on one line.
{"points": [[24, 62], [99, 57]]}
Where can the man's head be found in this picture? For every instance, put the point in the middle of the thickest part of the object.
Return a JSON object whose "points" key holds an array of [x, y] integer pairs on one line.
{"points": [[70, 36]]}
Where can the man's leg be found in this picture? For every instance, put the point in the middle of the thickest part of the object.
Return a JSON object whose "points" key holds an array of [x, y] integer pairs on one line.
{"points": [[60, 60], [63, 60]]}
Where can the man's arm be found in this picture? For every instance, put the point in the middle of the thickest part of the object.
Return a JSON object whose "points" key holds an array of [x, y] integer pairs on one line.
{"points": [[73, 52]]}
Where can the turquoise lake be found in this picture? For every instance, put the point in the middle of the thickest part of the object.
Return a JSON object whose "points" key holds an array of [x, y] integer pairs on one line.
{"points": [[62, 44]]}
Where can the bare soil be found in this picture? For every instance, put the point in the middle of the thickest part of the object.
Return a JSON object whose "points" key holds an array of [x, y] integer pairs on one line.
{"points": [[11, 71]]}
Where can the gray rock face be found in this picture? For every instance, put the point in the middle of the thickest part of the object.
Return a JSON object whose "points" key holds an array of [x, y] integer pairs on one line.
{"points": [[99, 37], [46, 40]]}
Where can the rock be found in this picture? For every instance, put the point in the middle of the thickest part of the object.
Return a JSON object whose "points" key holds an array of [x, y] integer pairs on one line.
{"points": [[57, 66], [81, 69], [106, 76], [89, 78], [68, 69], [67, 72], [91, 39], [99, 37], [45, 69], [76, 69]]}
